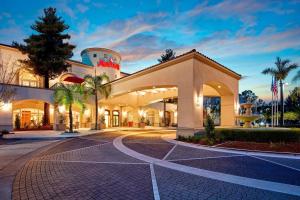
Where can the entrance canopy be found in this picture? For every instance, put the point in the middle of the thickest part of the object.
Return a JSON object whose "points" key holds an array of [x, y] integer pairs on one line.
{"points": [[189, 78]]}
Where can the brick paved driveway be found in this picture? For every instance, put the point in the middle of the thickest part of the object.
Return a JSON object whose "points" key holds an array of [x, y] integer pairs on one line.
{"points": [[92, 167]]}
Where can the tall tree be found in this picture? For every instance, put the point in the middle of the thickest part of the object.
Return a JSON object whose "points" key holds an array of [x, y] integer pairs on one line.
{"points": [[292, 102], [280, 72], [68, 95], [168, 55], [95, 85], [47, 49], [247, 96]]}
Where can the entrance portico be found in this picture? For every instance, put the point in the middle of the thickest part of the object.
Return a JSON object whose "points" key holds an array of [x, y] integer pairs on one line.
{"points": [[188, 78]]}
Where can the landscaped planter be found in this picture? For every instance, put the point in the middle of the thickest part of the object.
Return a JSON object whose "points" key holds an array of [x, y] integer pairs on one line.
{"points": [[60, 127], [102, 126], [142, 125]]}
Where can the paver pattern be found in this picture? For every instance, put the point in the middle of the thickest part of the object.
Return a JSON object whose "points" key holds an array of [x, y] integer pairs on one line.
{"points": [[178, 185], [247, 167], [91, 167]]}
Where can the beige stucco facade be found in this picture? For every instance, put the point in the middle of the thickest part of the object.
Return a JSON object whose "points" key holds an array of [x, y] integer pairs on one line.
{"points": [[169, 93]]}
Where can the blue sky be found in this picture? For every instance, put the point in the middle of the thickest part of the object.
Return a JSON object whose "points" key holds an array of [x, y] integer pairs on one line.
{"points": [[245, 36]]}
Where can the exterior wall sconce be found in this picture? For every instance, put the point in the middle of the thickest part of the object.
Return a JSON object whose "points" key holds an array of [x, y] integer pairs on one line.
{"points": [[161, 113], [124, 114], [198, 101], [101, 110], [87, 112], [51, 110], [61, 109], [141, 113]]}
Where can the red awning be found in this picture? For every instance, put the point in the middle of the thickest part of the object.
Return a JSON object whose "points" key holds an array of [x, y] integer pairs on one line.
{"points": [[74, 79]]}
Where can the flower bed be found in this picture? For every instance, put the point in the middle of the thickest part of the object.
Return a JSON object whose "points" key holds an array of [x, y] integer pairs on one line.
{"points": [[277, 147], [279, 140]]}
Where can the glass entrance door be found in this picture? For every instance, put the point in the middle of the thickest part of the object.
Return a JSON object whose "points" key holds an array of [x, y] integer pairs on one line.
{"points": [[106, 118], [115, 120]]}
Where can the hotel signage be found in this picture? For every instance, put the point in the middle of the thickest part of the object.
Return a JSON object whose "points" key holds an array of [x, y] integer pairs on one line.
{"points": [[108, 62]]}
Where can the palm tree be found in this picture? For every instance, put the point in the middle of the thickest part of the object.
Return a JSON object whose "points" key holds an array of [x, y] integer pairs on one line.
{"points": [[67, 95], [280, 72], [95, 85]]}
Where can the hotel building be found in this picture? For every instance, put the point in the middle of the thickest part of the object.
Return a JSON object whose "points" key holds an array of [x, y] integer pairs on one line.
{"points": [[177, 93]]}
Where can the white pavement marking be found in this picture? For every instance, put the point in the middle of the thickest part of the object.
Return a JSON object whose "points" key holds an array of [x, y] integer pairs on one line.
{"points": [[170, 152], [164, 143], [204, 158], [167, 138], [154, 183], [91, 162], [276, 163], [76, 149], [249, 182]]}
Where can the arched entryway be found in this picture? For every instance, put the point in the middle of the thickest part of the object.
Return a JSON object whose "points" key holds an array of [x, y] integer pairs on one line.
{"points": [[30, 113]]}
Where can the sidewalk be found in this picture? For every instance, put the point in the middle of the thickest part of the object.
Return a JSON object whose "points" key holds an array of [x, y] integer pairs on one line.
{"points": [[51, 134]]}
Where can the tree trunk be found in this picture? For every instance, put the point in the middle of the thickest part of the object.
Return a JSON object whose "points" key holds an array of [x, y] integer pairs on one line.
{"points": [[46, 120], [70, 119], [96, 117], [281, 103]]}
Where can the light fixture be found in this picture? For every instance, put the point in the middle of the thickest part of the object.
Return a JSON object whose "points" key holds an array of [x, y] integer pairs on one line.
{"points": [[61, 109], [219, 86], [141, 112], [198, 101], [6, 106], [161, 113], [51, 110], [87, 112], [101, 110]]}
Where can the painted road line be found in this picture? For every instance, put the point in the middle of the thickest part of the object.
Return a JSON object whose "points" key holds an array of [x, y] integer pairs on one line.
{"points": [[154, 183], [74, 150], [170, 152], [276, 163], [204, 158], [249, 182], [167, 138]]}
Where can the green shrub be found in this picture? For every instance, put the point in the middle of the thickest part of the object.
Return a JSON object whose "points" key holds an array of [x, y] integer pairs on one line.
{"points": [[4, 131], [17, 122], [259, 135], [210, 128]]}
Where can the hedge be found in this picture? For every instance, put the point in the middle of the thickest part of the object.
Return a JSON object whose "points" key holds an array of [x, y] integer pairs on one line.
{"points": [[259, 135]]}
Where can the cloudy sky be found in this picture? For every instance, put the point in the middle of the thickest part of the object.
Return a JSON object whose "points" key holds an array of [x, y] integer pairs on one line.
{"points": [[245, 36]]}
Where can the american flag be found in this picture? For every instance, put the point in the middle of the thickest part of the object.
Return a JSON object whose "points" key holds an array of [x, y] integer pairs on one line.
{"points": [[274, 87]]}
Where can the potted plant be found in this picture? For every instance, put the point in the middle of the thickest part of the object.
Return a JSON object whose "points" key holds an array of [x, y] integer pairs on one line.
{"points": [[125, 122], [17, 122], [102, 122], [142, 122]]}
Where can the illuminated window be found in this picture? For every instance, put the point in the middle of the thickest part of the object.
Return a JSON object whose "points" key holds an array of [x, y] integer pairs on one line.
{"points": [[28, 79]]}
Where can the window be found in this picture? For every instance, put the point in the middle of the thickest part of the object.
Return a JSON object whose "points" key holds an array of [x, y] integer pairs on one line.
{"points": [[95, 55], [212, 106], [28, 79], [115, 121]]}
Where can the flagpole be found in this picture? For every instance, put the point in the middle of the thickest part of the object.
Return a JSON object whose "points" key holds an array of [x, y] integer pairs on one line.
{"points": [[277, 108], [272, 116]]}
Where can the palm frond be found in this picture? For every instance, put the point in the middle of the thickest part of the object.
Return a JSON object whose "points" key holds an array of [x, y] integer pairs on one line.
{"points": [[296, 77], [270, 71]]}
